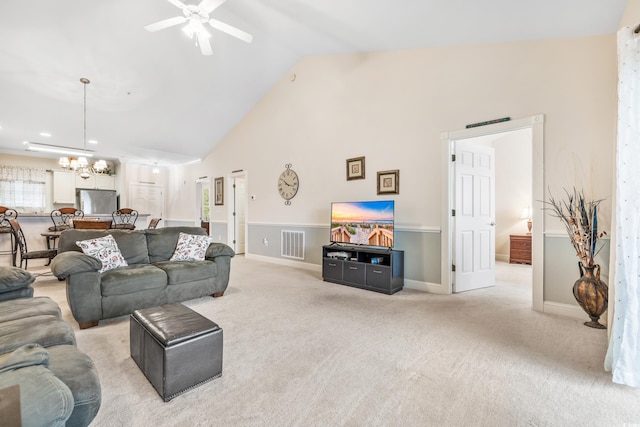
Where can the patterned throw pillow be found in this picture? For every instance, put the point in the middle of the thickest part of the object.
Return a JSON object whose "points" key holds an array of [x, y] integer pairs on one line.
{"points": [[105, 249], [191, 247]]}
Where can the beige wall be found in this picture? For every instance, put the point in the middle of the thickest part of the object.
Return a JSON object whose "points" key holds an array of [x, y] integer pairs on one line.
{"points": [[28, 161], [631, 15], [391, 108]]}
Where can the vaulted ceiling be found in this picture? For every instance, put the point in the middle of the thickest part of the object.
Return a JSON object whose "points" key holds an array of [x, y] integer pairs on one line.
{"points": [[154, 97]]}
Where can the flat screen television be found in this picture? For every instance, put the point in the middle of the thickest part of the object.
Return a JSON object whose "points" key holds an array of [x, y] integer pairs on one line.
{"points": [[363, 223]]}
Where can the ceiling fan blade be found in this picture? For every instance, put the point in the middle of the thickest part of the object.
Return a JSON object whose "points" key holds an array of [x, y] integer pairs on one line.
{"points": [[209, 5], [161, 25], [205, 46], [232, 31], [177, 3]]}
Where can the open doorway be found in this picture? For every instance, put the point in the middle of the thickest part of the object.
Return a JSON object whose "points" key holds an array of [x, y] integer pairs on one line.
{"points": [[499, 166], [203, 197], [237, 212], [535, 124]]}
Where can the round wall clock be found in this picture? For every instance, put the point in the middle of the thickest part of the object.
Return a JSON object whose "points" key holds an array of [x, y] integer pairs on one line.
{"points": [[288, 184]]}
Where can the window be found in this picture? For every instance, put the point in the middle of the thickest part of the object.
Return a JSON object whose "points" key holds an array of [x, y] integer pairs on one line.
{"points": [[22, 188]]}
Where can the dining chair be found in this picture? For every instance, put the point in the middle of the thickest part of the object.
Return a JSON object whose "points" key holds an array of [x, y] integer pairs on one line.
{"points": [[62, 219], [25, 255], [125, 218], [154, 223], [5, 229]]}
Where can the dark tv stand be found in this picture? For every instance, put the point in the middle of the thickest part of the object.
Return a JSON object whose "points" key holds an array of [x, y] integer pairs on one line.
{"points": [[379, 270]]}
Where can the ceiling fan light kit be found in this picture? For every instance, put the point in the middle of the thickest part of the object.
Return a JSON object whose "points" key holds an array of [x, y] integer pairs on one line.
{"points": [[196, 16]]}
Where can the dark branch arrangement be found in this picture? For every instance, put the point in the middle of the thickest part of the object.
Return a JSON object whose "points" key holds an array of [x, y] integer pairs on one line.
{"points": [[580, 218]]}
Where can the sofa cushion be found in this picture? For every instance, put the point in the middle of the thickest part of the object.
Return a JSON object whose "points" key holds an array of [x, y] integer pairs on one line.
{"points": [[105, 249], [68, 238], [134, 278], [191, 247], [162, 242], [12, 278], [46, 330], [132, 243], [187, 271], [28, 307]]}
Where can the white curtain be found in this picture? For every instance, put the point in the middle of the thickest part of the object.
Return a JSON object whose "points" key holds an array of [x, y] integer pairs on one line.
{"points": [[22, 188], [623, 356]]}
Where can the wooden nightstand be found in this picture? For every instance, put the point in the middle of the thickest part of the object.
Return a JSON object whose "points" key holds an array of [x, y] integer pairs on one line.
{"points": [[520, 249]]}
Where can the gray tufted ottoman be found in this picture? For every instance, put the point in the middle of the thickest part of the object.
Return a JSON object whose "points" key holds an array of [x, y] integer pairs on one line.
{"points": [[176, 348]]}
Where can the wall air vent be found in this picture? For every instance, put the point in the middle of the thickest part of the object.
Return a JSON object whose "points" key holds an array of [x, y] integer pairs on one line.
{"points": [[292, 244]]}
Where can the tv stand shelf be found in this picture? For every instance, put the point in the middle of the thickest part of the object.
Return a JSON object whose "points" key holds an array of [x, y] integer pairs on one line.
{"points": [[379, 270]]}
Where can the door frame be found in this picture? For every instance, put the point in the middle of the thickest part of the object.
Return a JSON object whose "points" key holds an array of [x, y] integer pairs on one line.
{"points": [[230, 207], [200, 183], [536, 124]]}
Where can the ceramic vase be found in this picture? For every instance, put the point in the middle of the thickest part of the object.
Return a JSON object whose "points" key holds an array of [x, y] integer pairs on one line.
{"points": [[592, 294]]}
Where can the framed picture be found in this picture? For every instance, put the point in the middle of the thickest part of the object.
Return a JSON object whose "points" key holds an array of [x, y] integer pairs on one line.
{"points": [[355, 168], [219, 194], [389, 182]]}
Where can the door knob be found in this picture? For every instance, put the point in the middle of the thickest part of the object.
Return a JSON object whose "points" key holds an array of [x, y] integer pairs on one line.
{"points": [[492, 224]]}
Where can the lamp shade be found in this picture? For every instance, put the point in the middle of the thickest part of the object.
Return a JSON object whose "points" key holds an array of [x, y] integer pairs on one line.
{"points": [[526, 213], [64, 162]]}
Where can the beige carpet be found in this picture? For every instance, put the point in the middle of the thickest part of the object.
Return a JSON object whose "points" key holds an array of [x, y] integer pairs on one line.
{"points": [[302, 352]]}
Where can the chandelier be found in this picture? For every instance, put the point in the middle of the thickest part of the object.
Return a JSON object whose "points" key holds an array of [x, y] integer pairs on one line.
{"points": [[81, 165]]}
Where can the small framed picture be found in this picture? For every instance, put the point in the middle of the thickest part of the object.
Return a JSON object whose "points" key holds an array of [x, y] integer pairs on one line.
{"points": [[389, 182], [355, 168], [219, 188]]}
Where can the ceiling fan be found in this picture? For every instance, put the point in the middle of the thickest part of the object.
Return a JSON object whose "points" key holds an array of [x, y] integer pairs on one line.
{"points": [[197, 16]]}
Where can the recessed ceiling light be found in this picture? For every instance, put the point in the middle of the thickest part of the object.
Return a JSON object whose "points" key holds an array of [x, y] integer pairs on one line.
{"points": [[92, 141], [47, 134]]}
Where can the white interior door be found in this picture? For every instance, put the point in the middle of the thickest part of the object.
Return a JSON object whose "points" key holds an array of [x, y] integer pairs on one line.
{"points": [[146, 199], [474, 220], [240, 214]]}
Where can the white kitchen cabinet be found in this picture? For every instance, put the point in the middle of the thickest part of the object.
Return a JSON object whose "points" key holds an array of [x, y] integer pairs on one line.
{"points": [[64, 187], [85, 183], [97, 181], [105, 182]]}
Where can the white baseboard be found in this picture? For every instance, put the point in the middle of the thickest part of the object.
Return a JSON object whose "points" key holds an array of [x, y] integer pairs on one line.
{"points": [[417, 285], [285, 262], [433, 288], [502, 257]]}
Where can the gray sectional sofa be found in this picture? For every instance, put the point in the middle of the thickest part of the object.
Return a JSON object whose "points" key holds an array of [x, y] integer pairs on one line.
{"points": [[150, 279], [41, 368]]}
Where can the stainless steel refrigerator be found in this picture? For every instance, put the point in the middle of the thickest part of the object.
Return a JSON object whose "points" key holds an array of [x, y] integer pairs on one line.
{"points": [[96, 202]]}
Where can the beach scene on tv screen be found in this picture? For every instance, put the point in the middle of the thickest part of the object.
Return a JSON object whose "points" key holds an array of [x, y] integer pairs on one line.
{"points": [[362, 223]]}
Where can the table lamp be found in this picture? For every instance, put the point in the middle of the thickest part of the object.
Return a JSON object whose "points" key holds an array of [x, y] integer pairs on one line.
{"points": [[526, 214]]}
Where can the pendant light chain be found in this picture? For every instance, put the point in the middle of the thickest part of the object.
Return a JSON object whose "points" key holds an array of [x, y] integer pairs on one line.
{"points": [[85, 82], [81, 165]]}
